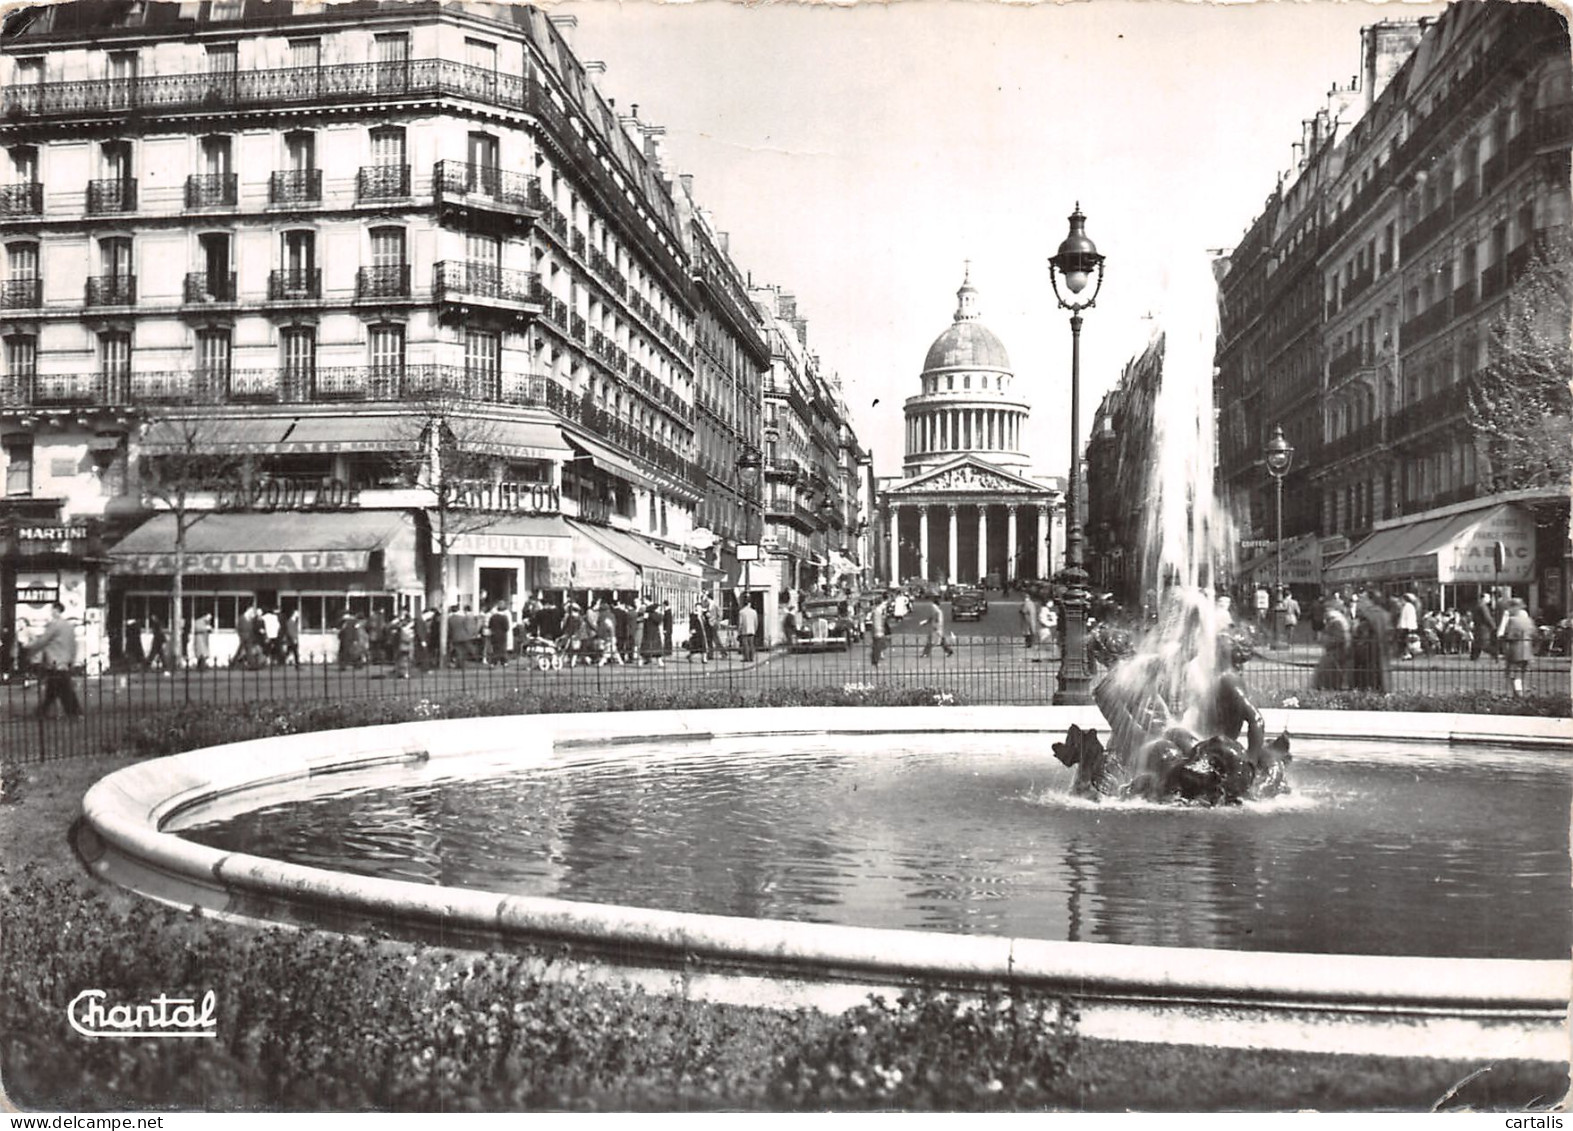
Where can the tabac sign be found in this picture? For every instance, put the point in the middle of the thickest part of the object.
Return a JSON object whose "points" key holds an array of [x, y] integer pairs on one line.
{"points": [[1475, 558]]}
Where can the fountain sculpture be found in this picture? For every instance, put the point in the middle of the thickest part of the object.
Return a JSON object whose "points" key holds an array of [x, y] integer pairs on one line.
{"points": [[1176, 706]]}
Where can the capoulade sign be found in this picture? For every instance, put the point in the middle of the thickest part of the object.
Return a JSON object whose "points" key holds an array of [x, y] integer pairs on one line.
{"points": [[249, 561]]}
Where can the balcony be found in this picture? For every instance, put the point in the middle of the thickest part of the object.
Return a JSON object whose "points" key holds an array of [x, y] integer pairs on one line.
{"points": [[1348, 362], [1441, 407], [21, 294], [1426, 324], [1493, 173], [470, 288], [382, 182], [25, 199], [107, 197], [295, 186], [391, 281], [1464, 299], [485, 191], [263, 89], [1518, 262], [212, 190], [204, 287], [577, 328], [1426, 230], [111, 290], [295, 285]]}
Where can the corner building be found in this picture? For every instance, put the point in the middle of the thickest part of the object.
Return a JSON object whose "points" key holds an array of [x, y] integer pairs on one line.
{"points": [[293, 225]]}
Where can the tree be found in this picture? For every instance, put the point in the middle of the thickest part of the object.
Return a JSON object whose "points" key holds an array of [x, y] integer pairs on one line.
{"points": [[452, 448], [185, 469], [1520, 405]]}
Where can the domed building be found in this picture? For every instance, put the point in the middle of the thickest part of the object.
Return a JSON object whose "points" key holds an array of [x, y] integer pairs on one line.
{"points": [[967, 507]]}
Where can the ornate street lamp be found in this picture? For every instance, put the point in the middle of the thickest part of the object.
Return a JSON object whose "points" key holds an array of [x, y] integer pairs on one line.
{"points": [[1279, 455], [749, 467], [1078, 263]]}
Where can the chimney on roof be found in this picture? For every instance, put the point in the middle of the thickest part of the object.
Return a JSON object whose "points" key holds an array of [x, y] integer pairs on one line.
{"points": [[594, 67]]}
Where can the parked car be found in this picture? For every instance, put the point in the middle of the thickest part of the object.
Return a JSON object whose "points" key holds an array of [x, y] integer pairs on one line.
{"points": [[823, 624], [968, 604]]}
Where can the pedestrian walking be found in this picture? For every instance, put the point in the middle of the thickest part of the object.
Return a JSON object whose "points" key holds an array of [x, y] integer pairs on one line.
{"points": [[652, 639], [747, 630], [55, 651], [666, 628], [403, 631], [931, 614], [1332, 673], [1516, 634], [1483, 622], [1291, 609], [136, 656], [1029, 621], [202, 640], [289, 638], [879, 632], [1048, 630], [497, 630], [698, 635], [158, 647], [1372, 634]]}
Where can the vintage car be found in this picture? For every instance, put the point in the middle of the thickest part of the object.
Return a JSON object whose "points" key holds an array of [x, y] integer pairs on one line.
{"points": [[968, 604], [822, 625]]}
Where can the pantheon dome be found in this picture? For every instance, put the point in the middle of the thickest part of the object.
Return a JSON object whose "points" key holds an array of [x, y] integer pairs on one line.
{"points": [[967, 404]]}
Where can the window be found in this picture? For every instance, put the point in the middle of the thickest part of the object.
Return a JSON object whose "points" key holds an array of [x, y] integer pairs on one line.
{"points": [[18, 461], [213, 354], [387, 146], [387, 351], [387, 247], [483, 255], [223, 68], [483, 173], [122, 67], [298, 356], [115, 159], [482, 363], [216, 280], [305, 53], [22, 262], [299, 257], [482, 59], [114, 364], [24, 164], [300, 151], [393, 61], [115, 257], [215, 156]]}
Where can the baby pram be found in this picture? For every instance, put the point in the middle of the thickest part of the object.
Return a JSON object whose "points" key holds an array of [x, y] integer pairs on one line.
{"points": [[542, 652]]}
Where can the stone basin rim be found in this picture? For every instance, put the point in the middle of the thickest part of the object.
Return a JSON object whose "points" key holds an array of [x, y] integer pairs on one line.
{"points": [[126, 810]]}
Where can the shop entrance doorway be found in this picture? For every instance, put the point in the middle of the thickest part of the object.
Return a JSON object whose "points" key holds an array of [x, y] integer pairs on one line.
{"points": [[497, 585]]}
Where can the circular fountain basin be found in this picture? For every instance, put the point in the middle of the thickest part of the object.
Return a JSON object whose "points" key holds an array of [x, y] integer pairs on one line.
{"points": [[1250, 982]]}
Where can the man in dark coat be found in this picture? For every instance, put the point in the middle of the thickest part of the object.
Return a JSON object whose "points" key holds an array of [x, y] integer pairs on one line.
{"points": [[497, 629], [1484, 623], [1373, 630]]}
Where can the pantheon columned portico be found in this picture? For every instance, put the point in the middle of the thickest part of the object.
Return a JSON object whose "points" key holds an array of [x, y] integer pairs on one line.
{"points": [[967, 505]]}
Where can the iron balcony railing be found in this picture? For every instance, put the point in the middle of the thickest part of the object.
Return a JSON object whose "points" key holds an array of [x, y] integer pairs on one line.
{"points": [[212, 190], [295, 186], [25, 199], [1493, 281], [1428, 322], [452, 280], [294, 284], [1439, 408], [485, 185], [111, 195], [22, 294], [210, 286], [264, 89], [1426, 230], [392, 281], [1350, 361], [111, 290], [1464, 298], [382, 182]]}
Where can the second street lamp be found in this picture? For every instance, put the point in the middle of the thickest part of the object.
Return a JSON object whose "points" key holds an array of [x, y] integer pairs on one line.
{"points": [[1079, 263], [1279, 455], [749, 466]]}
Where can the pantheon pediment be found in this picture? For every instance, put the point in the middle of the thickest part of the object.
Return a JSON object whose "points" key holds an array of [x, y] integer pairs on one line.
{"points": [[971, 476]]}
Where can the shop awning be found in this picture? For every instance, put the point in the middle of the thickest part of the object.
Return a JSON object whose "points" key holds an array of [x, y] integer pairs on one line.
{"points": [[223, 436], [513, 536], [1450, 549], [338, 542], [1302, 563], [609, 461], [704, 571], [357, 433], [521, 439], [653, 567]]}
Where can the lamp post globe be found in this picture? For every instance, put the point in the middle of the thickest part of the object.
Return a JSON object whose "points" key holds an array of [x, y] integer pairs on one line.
{"points": [[1279, 455], [1077, 263]]}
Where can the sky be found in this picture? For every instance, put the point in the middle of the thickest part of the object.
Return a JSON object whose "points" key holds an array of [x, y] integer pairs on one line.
{"points": [[861, 155]]}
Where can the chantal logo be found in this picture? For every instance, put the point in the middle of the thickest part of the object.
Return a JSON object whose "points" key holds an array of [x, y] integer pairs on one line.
{"points": [[164, 1016]]}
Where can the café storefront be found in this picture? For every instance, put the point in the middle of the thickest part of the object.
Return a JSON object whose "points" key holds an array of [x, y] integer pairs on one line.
{"points": [[43, 561], [1448, 559], [324, 564]]}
